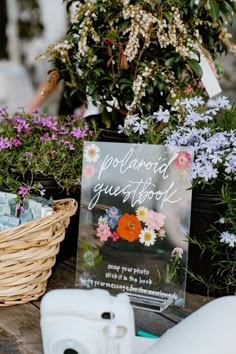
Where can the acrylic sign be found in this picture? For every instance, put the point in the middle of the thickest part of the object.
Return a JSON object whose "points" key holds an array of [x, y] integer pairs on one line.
{"points": [[134, 220]]}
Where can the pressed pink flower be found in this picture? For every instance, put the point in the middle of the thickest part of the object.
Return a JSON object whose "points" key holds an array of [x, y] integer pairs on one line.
{"points": [[103, 232], [89, 170], [155, 220], [115, 236], [182, 160], [177, 251]]}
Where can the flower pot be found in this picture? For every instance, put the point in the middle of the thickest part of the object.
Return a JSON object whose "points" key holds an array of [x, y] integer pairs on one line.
{"points": [[206, 210]]}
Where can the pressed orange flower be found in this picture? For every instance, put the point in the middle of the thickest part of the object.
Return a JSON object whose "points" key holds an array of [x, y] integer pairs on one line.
{"points": [[129, 227]]}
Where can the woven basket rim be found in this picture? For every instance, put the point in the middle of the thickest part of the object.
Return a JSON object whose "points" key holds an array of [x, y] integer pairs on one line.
{"points": [[50, 219]]}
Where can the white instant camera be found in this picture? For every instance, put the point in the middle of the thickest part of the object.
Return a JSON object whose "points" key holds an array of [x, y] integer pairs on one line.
{"points": [[76, 321], [79, 321]]}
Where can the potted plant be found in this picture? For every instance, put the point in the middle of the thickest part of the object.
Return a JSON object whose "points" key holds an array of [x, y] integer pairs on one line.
{"points": [[211, 131], [134, 55], [42, 155], [38, 147]]}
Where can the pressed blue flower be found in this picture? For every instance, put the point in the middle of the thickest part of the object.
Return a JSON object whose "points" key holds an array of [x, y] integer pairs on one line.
{"points": [[113, 216]]}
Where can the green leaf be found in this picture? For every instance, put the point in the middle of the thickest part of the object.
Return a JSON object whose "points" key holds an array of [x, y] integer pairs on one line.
{"points": [[215, 10], [168, 16], [106, 119], [170, 61], [194, 65]]}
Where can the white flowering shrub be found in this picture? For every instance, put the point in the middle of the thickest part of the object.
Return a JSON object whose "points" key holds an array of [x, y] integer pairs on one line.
{"points": [[139, 53]]}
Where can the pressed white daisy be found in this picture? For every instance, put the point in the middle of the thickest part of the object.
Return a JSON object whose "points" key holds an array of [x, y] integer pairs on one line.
{"points": [[147, 236], [91, 153], [142, 213]]}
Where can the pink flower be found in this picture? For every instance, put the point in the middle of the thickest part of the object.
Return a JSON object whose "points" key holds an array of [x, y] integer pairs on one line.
{"points": [[155, 220], [115, 236], [182, 160], [89, 170], [103, 231], [23, 191], [178, 252], [19, 207]]}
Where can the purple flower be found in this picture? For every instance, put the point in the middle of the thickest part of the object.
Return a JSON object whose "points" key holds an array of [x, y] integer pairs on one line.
{"points": [[20, 124], [16, 142], [78, 133], [50, 122], [5, 143], [19, 207], [23, 191]]}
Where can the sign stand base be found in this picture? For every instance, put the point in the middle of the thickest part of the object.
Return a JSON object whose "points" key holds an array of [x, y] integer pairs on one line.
{"points": [[149, 303]]}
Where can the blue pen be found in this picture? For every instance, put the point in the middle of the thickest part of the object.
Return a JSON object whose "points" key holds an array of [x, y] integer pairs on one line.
{"points": [[145, 334]]}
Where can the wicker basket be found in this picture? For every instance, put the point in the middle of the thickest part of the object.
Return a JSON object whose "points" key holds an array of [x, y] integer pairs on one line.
{"points": [[28, 253]]}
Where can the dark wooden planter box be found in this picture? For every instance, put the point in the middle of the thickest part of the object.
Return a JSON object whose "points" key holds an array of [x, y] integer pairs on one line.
{"points": [[205, 211]]}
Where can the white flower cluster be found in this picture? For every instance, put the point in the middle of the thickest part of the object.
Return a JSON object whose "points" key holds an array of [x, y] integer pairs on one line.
{"points": [[225, 37], [139, 86], [62, 49], [75, 11], [86, 29], [175, 34], [141, 23], [86, 26]]}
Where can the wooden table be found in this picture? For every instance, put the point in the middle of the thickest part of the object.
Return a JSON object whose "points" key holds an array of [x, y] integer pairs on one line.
{"points": [[19, 324]]}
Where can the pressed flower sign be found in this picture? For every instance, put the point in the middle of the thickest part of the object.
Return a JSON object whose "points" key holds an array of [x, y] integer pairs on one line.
{"points": [[134, 220]]}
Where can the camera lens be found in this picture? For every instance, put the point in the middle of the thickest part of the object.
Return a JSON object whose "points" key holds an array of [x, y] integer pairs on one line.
{"points": [[70, 351], [108, 315]]}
